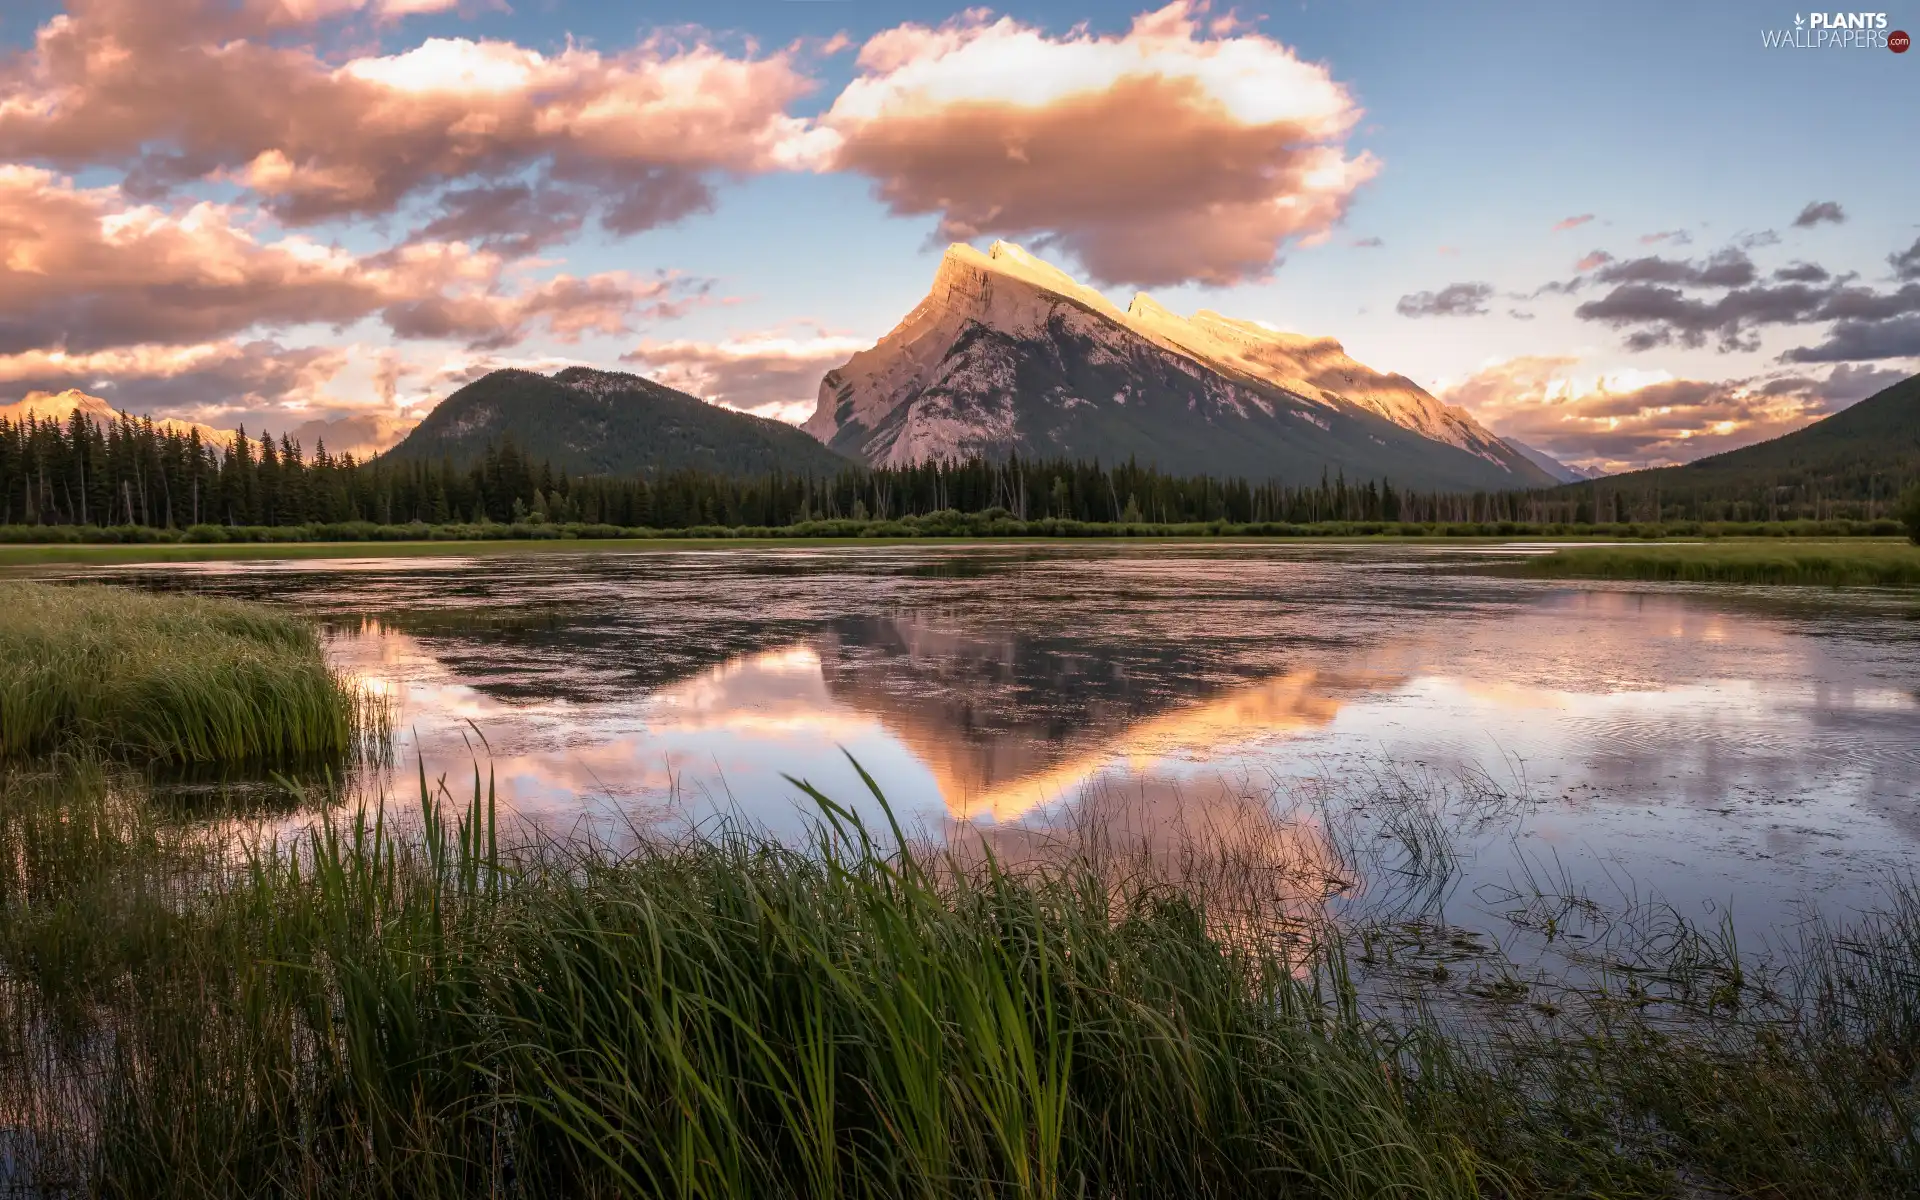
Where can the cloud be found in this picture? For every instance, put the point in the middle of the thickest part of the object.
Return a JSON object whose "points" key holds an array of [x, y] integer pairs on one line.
{"points": [[1678, 237], [174, 91], [1726, 268], [1372, 243], [1906, 263], [1572, 222], [192, 381], [1803, 272], [516, 219], [1820, 210], [1454, 300], [1593, 259], [1863, 341], [1657, 302], [1180, 151], [567, 307], [86, 270], [1623, 420], [772, 374]]}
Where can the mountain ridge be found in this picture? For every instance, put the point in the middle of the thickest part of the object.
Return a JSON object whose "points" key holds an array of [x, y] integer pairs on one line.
{"points": [[1007, 353], [591, 422]]}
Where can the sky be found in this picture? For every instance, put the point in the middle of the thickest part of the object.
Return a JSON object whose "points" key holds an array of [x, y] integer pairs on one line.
{"points": [[1626, 233]]}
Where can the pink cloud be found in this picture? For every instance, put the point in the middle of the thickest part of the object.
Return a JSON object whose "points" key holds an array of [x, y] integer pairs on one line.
{"points": [[86, 269], [180, 90], [773, 374], [1566, 223], [1623, 420], [1167, 154]]}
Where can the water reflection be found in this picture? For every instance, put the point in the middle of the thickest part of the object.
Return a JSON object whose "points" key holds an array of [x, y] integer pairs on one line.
{"points": [[1751, 742]]}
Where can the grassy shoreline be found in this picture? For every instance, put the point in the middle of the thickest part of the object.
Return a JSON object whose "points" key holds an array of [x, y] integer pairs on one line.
{"points": [[108, 554], [420, 1008], [1827, 564], [172, 679]]}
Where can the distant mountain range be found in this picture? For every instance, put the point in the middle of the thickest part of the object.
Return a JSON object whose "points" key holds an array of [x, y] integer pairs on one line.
{"points": [[1553, 466], [1009, 354], [358, 434], [589, 422], [1859, 452], [60, 406]]}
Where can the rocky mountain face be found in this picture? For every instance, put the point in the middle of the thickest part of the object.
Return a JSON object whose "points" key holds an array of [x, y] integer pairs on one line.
{"points": [[1008, 354]]}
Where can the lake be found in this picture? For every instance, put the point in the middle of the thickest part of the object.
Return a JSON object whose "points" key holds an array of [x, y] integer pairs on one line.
{"points": [[1749, 750]]}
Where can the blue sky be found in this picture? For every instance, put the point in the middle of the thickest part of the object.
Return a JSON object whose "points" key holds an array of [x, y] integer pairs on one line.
{"points": [[1487, 125]]}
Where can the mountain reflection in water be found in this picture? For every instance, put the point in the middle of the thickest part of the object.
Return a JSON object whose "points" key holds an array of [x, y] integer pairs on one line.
{"points": [[1757, 743]]}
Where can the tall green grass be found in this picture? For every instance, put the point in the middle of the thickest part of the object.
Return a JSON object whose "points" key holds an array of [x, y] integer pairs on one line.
{"points": [[413, 1007], [167, 678], [1832, 564]]}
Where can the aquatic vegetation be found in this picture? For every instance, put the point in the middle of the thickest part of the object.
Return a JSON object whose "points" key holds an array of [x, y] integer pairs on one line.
{"points": [[424, 1003], [168, 678], [1833, 564]]}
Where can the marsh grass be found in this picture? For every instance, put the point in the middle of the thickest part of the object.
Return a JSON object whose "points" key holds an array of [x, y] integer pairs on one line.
{"points": [[411, 1003], [1831, 564], [168, 678]]}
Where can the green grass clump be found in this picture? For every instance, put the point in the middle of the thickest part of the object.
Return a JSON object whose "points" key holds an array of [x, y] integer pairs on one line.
{"points": [[165, 678], [422, 1011], [1831, 564]]}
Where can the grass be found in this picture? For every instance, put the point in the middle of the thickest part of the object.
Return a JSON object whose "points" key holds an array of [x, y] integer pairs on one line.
{"points": [[426, 1007], [1832, 564], [166, 678], [28, 544]]}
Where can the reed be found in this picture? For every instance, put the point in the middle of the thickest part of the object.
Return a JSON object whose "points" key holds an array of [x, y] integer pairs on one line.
{"points": [[168, 678], [407, 1004], [1830, 564]]}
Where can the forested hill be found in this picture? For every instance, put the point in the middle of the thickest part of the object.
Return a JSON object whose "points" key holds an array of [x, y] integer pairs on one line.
{"points": [[1860, 455], [589, 422]]}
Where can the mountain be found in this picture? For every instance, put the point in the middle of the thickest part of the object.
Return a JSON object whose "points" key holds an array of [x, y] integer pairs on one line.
{"points": [[591, 422], [1861, 452], [1553, 466], [1008, 353], [60, 406]]}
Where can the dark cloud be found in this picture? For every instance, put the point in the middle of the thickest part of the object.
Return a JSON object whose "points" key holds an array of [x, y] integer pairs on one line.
{"points": [[1906, 263], [1519, 314], [1843, 386], [1863, 341], [1751, 241], [1813, 214], [1454, 300], [1802, 272], [1656, 301], [1725, 268], [1690, 320], [514, 219]]}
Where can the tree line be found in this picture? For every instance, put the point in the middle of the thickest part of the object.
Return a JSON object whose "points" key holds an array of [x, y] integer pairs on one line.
{"points": [[133, 472]]}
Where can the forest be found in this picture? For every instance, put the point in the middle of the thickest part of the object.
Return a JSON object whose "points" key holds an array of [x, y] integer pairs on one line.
{"points": [[134, 473]]}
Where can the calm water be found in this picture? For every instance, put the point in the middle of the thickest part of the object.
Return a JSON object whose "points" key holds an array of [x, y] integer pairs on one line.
{"points": [[1758, 748]]}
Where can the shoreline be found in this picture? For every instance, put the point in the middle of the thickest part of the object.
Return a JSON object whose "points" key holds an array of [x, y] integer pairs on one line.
{"points": [[135, 553]]}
